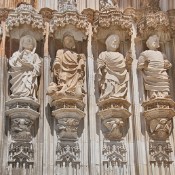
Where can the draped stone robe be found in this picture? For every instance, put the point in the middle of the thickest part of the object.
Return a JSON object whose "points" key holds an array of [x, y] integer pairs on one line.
{"points": [[112, 74], [24, 81], [154, 74], [69, 70]]}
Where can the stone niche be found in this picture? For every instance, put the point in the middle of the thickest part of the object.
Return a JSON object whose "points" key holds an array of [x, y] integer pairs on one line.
{"points": [[68, 48], [112, 47], [25, 29]]}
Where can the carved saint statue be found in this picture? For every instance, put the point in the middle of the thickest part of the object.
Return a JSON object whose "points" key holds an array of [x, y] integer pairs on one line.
{"points": [[154, 67], [25, 67], [69, 72], [112, 72]]}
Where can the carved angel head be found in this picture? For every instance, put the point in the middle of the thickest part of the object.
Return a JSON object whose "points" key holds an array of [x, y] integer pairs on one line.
{"points": [[27, 42], [112, 42], [153, 42]]}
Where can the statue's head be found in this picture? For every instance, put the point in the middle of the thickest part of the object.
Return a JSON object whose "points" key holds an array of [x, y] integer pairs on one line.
{"points": [[27, 42], [112, 42], [68, 41], [153, 42]]}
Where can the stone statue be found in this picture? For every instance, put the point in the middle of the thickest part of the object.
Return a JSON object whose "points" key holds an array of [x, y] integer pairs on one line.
{"points": [[154, 67], [112, 72], [25, 67], [106, 4], [68, 69]]}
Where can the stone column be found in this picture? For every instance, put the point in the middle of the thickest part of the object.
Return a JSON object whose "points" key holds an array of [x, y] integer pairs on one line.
{"points": [[3, 91]]}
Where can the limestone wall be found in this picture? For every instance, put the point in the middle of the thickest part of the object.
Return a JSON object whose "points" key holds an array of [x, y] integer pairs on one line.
{"points": [[85, 93]]}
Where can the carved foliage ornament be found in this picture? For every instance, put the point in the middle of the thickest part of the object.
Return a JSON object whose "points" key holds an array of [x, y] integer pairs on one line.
{"points": [[60, 20], [154, 22], [113, 18], [25, 14]]}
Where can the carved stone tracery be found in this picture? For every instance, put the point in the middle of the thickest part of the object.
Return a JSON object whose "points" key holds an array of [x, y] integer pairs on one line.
{"points": [[113, 18], [25, 14], [114, 154], [155, 23], [21, 153], [69, 153], [160, 153], [60, 20]]}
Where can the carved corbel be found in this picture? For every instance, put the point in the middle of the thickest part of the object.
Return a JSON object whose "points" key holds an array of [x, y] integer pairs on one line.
{"points": [[158, 114], [68, 113], [22, 114], [114, 114]]}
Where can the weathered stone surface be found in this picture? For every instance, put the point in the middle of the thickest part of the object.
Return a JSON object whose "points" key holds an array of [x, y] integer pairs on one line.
{"points": [[100, 101]]}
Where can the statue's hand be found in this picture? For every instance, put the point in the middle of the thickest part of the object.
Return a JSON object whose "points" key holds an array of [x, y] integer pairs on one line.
{"points": [[146, 63], [167, 64], [26, 64]]}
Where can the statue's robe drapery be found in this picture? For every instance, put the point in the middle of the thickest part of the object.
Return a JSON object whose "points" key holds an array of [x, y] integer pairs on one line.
{"points": [[154, 75], [113, 77], [24, 81], [69, 69]]}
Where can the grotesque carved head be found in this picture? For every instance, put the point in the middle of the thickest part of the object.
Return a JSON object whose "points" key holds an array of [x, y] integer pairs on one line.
{"points": [[153, 42], [68, 41], [27, 42], [112, 42]]}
